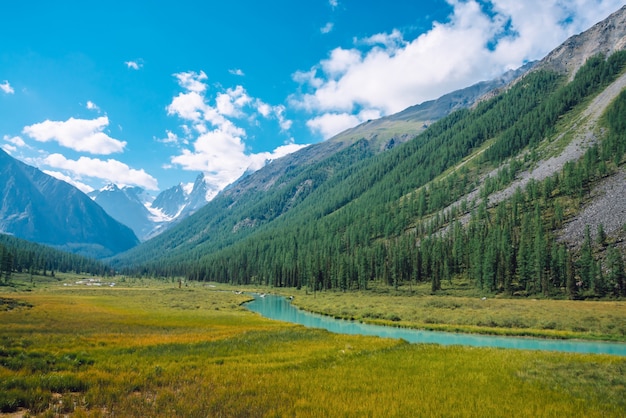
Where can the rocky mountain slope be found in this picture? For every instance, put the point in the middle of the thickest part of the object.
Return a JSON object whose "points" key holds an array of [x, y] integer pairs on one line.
{"points": [[128, 205], [605, 208], [40, 208], [605, 37]]}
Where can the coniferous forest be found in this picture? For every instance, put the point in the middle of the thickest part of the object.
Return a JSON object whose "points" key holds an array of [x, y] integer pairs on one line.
{"points": [[389, 217], [20, 256]]}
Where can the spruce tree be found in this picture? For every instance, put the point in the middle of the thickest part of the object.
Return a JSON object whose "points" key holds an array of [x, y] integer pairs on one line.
{"points": [[616, 275]]}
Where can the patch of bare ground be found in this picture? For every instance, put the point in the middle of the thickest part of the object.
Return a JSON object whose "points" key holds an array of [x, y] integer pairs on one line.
{"points": [[583, 137], [607, 207]]}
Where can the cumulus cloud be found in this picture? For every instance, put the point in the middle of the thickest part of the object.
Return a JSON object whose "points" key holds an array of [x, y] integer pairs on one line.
{"points": [[92, 106], [112, 171], [6, 87], [333, 3], [217, 140], [192, 81], [170, 138], [386, 73], [236, 71], [77, 134], [330, 124], [15, 140], [133, 65], [327, 28]]}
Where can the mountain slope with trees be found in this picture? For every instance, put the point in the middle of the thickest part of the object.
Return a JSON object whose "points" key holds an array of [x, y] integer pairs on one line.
{"points": [[21, 256], [363, 216]]}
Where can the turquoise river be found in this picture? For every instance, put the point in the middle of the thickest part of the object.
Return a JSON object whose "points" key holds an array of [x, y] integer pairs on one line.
{"points": [[280, 309]]}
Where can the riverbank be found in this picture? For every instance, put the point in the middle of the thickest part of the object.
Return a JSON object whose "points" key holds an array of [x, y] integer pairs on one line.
{"points": [[416, 308]]}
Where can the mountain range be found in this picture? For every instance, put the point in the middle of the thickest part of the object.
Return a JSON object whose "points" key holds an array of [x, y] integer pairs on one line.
{"points": [[146, 215], [40, 208], [500, 184]]}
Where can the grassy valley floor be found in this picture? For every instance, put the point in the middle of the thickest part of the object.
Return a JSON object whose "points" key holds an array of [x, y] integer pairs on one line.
{"points": [[149, 348]]}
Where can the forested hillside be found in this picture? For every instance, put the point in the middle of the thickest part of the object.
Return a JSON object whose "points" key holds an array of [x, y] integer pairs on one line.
{"points": [[359, 217], [20, 256]]}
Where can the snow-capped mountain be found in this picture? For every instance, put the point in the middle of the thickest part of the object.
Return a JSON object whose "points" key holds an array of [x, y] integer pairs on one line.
{"points": [[148, 216]]}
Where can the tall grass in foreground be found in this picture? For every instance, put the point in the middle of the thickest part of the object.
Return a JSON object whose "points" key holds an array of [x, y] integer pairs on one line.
{"points": [[194, 352]]}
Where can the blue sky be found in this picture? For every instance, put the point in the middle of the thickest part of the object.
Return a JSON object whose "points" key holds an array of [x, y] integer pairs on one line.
{"points": [[153, 93]]}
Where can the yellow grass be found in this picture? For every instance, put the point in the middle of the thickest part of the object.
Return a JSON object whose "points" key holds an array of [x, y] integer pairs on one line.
{"points": [[161, 351]]}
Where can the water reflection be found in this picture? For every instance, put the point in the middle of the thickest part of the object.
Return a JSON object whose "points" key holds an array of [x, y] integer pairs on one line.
{"points": [[278, 308]]}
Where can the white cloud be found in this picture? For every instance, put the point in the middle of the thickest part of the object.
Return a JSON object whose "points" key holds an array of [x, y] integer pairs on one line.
{"points": [[237, 71], [219, 149], [77, 134], [386, 73], [171, 138], [92, 106], [9, 149], [192, 81], [6, 87], [327, 28], [189, 106], [232, 102], [330, 124], [112, 171], [85, 188], [134, 65], [333, 3], [15, 140], [390, 41]]}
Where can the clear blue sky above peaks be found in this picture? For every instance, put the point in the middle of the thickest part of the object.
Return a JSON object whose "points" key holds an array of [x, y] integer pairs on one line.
{"points": [[153, 93]]}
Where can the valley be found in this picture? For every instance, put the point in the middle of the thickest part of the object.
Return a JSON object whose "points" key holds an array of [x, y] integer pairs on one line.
{"points": [[498, 209], [150, 348]]}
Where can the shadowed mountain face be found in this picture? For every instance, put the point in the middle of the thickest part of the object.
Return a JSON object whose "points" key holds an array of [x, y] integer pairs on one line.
{"points": [[40, 208]]}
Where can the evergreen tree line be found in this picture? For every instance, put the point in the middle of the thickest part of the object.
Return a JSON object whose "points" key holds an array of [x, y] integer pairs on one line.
{"points": [[20, 256]]}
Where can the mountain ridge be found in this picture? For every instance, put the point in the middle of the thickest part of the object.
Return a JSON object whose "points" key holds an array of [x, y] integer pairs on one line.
{"points": [[40, 208]]}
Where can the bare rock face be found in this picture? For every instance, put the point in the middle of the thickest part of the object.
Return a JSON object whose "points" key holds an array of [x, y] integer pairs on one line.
{"points": [[605, 37]]}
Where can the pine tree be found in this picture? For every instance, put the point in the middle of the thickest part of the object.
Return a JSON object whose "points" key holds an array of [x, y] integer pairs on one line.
{"points": [[571, 284], [617, 275], [601, 236], [6, 264], [585, 262]]}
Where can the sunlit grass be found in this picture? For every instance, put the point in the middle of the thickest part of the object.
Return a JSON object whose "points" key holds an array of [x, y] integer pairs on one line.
{"points": [[152, 349]]}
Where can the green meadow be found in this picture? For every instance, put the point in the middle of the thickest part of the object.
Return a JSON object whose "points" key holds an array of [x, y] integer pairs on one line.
{"points": [[148, 348]]}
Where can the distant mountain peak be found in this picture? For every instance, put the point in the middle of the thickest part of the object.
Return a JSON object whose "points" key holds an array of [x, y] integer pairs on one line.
{"points": [[110, 187]]}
